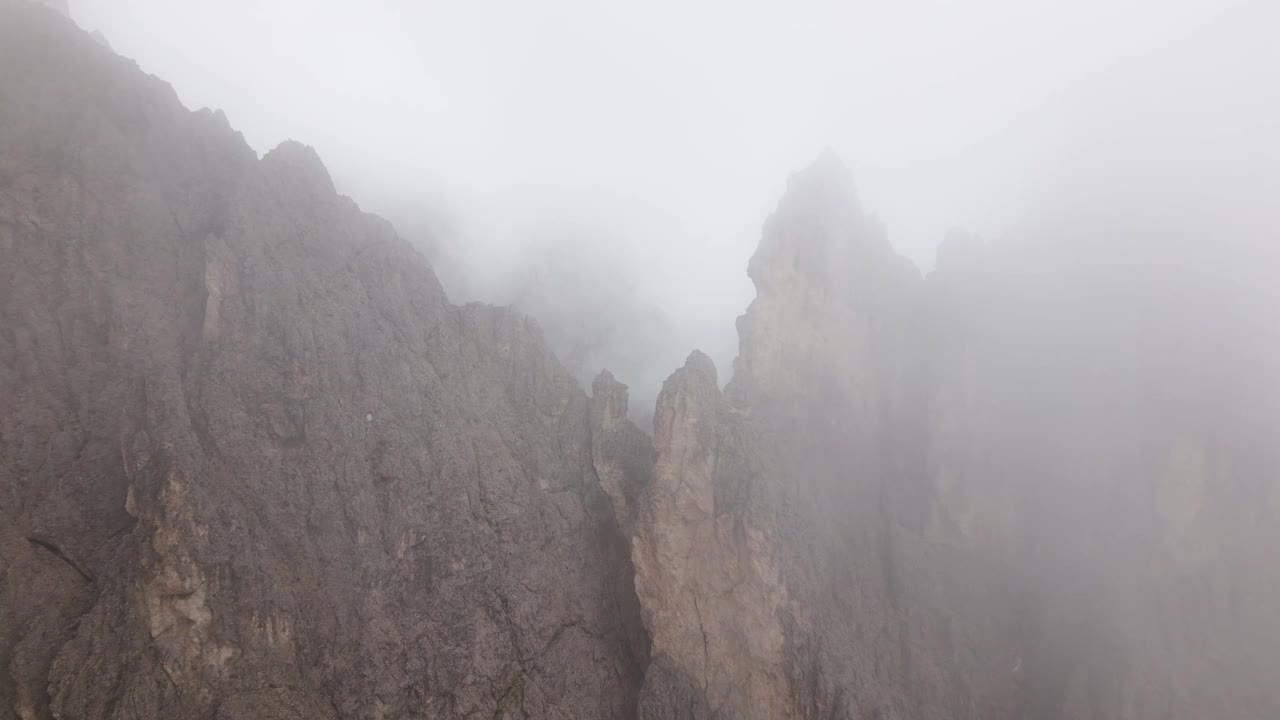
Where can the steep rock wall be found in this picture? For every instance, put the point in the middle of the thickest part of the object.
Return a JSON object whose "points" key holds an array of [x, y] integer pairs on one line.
{"points": [[783, 512], [1036, 484], [252, 462]]}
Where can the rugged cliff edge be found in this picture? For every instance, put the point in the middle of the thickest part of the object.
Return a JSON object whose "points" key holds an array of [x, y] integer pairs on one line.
{"points": [[1040, 483], [253, 464], [781, 560]]}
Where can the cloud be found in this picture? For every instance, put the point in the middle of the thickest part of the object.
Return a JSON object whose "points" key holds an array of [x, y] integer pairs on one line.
{"points": [[664, 131]]}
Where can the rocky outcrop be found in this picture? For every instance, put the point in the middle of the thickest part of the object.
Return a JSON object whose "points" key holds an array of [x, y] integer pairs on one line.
{"points": [[253, 464], [706, 577], [620, 451], [1015, 489], [778, 562]]}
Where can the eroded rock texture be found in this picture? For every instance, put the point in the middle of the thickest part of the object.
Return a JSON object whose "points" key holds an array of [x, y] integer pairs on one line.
{"points": [[782, 565], [253, 464], [1037, 484]]}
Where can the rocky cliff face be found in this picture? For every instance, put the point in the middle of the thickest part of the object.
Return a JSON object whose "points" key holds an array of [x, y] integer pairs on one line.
{"points": [[254, 464], [1036, 484], [781, 559]]}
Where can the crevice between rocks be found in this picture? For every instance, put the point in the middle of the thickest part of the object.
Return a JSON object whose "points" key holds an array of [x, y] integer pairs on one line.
{"points": [[58, 553]]}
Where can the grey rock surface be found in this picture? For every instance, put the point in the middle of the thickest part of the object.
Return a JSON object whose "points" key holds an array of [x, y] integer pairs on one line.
{"points": [[253, 463], [1037, 484]]}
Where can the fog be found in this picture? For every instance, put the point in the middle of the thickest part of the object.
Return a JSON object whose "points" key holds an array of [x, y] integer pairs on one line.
{"points": [[254, 465], [642, 146]]}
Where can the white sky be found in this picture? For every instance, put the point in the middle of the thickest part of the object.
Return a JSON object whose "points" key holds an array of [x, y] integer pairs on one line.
{"points": [[667, 128]]}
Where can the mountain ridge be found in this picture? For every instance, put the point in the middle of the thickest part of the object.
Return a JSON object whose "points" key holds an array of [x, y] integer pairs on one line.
{"points": [[254, 464]]}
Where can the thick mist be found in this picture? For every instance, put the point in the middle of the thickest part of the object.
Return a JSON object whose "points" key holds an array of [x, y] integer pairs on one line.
{"points": [[604, 168], [256, 461]]}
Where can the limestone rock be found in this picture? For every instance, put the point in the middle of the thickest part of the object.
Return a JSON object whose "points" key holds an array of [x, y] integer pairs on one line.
{"points": [[621, 452], [253, 463], [778, 528], [1016, 488]]}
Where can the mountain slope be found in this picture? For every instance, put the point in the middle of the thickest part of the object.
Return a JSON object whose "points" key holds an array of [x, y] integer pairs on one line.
{"points": [[253, 463], [1040, 483]]}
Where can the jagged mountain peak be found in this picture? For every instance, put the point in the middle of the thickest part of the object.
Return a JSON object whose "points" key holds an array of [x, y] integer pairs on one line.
{"points": [[262, 467], [254, 464]]}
